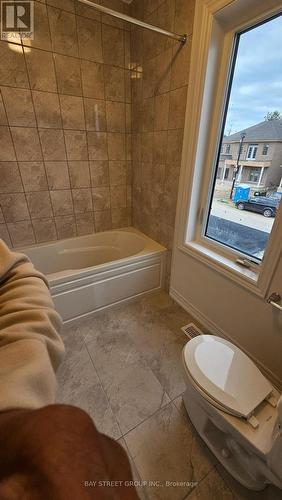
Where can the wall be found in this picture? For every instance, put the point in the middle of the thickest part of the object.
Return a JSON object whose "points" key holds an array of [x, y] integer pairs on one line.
{"points": [[159, 89], [65, 141]]}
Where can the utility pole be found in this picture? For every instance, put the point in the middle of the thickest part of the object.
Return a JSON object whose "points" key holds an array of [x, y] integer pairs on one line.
{"points": [[236, 168]]}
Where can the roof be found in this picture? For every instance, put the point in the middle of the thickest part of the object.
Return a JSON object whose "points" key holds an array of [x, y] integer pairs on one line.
{"points": [[265, 131]]}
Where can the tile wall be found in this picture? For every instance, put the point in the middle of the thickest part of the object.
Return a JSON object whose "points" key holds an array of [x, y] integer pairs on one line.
{"points": [[65, 125], [159, 90]]}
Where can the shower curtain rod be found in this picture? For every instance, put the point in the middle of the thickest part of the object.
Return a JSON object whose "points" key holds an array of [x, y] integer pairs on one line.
{"points": [[132, 20]]}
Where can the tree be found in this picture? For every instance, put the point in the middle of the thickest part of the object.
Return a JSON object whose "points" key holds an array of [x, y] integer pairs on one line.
{"points": [[273, 115]]}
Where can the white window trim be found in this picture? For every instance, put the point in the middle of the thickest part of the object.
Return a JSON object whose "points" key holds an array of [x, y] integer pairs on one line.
{"points": [[202, 127], [251, 149]]}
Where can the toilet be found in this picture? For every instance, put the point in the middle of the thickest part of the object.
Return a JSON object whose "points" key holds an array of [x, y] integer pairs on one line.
{"points": [[235, 409]]}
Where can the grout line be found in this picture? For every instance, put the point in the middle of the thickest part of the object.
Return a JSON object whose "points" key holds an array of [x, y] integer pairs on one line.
{"points": [[110, 406]]}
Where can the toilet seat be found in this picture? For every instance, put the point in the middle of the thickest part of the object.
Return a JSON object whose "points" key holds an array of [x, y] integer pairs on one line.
{"points": [[225, 375]]}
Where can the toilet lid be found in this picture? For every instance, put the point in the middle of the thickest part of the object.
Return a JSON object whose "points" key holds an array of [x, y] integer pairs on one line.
{"points": [[226, 374]]}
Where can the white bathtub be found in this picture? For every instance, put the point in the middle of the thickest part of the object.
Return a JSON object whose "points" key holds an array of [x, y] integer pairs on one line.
{"points": [[91, 272]]}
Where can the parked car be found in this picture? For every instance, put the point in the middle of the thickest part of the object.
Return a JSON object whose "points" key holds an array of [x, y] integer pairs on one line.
{"points": [[265, 205]]}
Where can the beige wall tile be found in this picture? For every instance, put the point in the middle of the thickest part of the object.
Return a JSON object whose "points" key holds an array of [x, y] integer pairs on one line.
{"points": [[99, 172], [7, 152], [95, 114], [116, 146], [180, 66], [103, 220], [89, 39], [21, 233], [174, 146], [92, 79], [19, 106], [115, 116], [33, 176], [39, 204], [53, 145], [177, 108], [79, 174], [160, 146], [14, 207], [27, 145], [148, 110], [10, 179], [114, 83], [97, 145], [82, 200], [72, 112], [12, 68], [68, 74], [85, 223], [47, 109], [76, 145], [42, 38], [66, 227], [62, 4], [184, 16], [44, 230], [40, 70], [161, 112], [118, 197], [119, 218], [62, 202], [1, 216], [85, 11], [113, 45], [118, 173], [101, 198], [163, 72], [57, 174], [3, 117], [4, 235], [63, 31]]}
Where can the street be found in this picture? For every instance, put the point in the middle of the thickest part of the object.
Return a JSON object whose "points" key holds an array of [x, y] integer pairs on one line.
{"points": [[244, 217]]}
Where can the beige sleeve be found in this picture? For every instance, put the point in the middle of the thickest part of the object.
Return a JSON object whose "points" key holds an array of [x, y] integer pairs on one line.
{"points": [[30, 346]]}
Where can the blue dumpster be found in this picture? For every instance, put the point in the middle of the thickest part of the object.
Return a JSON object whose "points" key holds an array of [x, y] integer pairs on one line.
{"points": [[242, 192]]}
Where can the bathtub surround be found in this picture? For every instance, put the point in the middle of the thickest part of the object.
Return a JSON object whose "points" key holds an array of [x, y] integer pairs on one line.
{"points": [[65, 165], [159, 89]]}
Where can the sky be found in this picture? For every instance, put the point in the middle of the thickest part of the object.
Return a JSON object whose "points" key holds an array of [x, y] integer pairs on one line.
{"points": [[257, 82]]}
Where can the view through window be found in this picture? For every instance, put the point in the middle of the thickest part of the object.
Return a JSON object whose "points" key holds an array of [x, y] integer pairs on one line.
{"points": [[248, 182]]}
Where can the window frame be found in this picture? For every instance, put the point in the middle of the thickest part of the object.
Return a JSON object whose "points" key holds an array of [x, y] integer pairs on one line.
{"points": [[253, 148], [213, 45], [265, 146]]}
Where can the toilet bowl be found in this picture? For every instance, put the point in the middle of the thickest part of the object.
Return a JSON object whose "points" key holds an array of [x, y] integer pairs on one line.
{"points": [[235, 409]]}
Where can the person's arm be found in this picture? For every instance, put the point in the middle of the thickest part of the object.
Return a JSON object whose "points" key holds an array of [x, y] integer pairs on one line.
{"points": [[30, 347]]}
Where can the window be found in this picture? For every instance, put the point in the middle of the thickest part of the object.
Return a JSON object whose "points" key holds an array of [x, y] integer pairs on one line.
{"points": [[252, 151], [228, 147], [233, 220], [265, 149], [254, 174]]}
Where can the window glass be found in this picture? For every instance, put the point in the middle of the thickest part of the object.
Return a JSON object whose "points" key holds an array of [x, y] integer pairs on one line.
{"points": [[246, 186]]}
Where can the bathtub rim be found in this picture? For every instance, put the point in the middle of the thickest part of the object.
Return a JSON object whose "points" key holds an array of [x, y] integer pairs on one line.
{"points": [[150, 249]]}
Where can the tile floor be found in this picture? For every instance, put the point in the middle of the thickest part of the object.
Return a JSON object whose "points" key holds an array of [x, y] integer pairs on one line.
{"points": [[123, 367]]}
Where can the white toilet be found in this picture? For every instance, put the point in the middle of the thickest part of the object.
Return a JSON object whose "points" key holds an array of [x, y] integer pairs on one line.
{"points": [[235, 410]]}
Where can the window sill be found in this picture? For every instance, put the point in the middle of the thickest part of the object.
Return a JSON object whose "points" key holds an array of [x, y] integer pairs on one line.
{"points": [[245, 277]]}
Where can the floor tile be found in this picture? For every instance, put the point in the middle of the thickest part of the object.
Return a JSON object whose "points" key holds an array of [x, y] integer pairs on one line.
{"points": [[162, 450], [211, 488], [132, 389], [79, 385]]}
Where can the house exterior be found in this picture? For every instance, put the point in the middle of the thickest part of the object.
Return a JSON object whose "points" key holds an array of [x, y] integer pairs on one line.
{"points": [[260, 159]]}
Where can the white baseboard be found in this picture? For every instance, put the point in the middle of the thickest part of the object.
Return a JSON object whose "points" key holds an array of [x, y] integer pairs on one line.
{"points": [[216, 330]]}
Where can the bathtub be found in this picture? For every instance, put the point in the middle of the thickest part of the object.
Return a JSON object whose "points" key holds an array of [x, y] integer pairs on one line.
{"points": [[89, 273]]}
